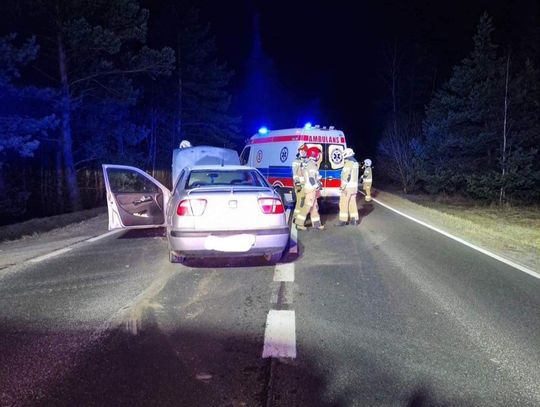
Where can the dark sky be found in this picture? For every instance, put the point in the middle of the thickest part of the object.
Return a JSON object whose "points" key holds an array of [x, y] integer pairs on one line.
{"points": [[325, 61], [329, 56]]}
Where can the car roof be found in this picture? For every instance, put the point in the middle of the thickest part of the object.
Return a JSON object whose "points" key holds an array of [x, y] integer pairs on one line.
{"points": [[220, 167]]}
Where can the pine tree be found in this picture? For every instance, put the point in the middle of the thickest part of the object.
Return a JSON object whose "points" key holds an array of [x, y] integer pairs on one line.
{"points": [[204, 80], [464, 121], [99, 48], [482, 128], [20, 125]]}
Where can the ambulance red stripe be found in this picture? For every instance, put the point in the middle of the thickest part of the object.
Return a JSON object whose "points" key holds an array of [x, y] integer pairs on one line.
{"points": [[299, 137], [288, 182]]}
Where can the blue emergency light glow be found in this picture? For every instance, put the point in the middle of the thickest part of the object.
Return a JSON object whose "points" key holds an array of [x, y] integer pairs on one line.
{"points": [[307, 125], [263, 130]]}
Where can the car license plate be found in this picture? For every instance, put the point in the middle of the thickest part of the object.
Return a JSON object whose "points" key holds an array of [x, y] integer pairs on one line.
{"points": [[234, 243]]}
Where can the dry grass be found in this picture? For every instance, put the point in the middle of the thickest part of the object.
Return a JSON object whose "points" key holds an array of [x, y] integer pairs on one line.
{"points": [[512, 232]]}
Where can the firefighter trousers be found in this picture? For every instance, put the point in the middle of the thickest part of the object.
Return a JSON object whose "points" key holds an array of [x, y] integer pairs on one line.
{"points": [[347, 206], [309, 206], [300, 197], [367, 188]]}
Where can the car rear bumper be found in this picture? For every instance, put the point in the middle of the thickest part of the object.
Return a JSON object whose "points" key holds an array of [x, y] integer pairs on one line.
{"points": [[193, 243]]}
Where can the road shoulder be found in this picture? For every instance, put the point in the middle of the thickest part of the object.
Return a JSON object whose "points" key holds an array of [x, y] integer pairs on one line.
{"points": [[517, 240], [38, 244]]}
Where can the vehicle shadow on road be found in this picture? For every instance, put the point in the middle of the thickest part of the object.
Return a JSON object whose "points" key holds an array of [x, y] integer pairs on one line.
{"points": [[143, 233], [183, 368], [242, 262], [187, 367]]}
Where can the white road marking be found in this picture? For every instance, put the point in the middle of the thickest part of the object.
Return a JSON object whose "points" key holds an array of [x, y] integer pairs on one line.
{"points": [[104, 235], [288, 197], [284, 272], [287, 294], [293, 244], [460, 240], [280, 335], [49, 255]]}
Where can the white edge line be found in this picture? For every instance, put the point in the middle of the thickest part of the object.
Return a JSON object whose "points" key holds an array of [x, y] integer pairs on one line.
{"points": [[460, 240], [104, 235], [67, 249], [49, 255]]}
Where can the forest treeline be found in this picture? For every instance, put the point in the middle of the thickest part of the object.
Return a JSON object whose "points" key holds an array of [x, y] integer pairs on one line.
{"points": [[477, 135], [80, 86]]}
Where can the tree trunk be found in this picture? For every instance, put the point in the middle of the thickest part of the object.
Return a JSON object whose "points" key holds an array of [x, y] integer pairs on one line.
{"points": [[502, 192], [65, 128], [59, 180], [178, 126], [394, 85]]}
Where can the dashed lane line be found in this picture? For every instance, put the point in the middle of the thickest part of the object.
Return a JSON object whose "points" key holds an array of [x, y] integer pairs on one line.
{"points": [[284, 272], [462, 241], [280, 335]]}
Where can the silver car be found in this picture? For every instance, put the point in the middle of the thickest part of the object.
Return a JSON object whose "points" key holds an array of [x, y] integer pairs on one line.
{"points": [[228, 210]]}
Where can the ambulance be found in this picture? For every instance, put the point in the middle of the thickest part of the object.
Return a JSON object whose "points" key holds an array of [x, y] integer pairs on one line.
{"points": [[273, 151]]}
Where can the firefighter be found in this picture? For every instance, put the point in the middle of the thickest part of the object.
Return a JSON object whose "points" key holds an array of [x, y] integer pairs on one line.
{"points": [[349, 189], [367, 178], [297, 171], [312, 184]]}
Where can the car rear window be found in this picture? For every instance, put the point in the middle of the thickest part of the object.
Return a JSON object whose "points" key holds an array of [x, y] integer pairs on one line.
{"points": [[204, 178]]}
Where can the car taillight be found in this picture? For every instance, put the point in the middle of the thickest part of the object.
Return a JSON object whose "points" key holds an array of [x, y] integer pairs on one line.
{"points": [[271, 205], [191, 207]]}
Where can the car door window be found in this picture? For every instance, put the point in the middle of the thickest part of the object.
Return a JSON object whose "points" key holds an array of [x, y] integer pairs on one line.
{"points": [[125, 181]]}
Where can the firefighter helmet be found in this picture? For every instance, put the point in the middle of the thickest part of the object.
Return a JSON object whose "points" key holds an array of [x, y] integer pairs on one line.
{"points": [[349, 152], [302, 150], [313, 152], [367, 162], [185, 144]]}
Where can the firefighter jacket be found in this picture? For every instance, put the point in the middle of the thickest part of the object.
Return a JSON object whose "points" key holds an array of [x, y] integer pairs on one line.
{"points": [[311, 176], [297, 173], [349, 175], [367, 176]]}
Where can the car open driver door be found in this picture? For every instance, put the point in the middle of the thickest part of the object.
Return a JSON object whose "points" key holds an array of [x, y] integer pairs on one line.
{"points": [[135, 200]]}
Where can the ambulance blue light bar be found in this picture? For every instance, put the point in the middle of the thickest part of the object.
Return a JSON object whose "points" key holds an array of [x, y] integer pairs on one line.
{"points": [[263, 130], [307, 126]]}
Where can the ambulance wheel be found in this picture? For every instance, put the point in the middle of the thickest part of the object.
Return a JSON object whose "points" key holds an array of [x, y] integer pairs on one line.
{"points": [[176, 258]]}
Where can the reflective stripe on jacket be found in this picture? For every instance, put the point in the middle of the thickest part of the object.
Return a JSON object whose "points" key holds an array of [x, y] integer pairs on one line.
{"points": [[367, 175], [311, 175], [297, 171], [349, 175]]}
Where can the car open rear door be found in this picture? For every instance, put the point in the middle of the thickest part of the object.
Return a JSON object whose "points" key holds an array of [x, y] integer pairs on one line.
{"points": [[135, 200]]}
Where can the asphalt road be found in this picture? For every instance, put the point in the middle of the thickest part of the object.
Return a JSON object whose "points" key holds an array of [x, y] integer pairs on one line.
{"points": [[388, 313]]}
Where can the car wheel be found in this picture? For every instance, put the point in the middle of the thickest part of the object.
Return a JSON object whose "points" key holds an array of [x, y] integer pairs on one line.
{"points": [[175, 258]]}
